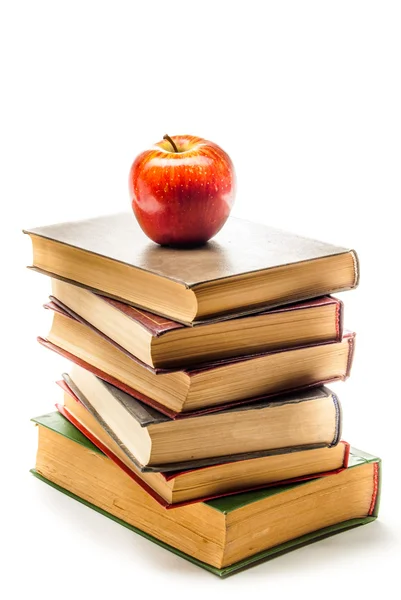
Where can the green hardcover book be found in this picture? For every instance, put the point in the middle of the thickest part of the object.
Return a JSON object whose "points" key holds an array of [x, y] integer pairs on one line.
{"points": [[224, 535]]}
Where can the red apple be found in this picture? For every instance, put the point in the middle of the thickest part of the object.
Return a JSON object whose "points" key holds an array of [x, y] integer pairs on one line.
{"points": [[182, 190]]}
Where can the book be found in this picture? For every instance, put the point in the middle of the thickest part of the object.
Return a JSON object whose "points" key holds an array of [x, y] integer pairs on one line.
{"points": [[222, 535], [172, 488], [308, 419], [245, 268], [163, 344], [205, 388]]}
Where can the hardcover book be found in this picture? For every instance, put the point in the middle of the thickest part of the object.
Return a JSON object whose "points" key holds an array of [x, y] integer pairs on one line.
{"points": [[204, 480], [307, 419], [162, 343], [209, 387], [112, 255], [222, 535]]}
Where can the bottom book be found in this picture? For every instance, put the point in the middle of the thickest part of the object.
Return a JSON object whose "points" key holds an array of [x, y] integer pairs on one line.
{"points": [[223, 535]]}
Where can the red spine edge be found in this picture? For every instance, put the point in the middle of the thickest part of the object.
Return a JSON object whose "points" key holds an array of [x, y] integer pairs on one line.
{"points": [[339, 319], [375, 488], [346, 454]]}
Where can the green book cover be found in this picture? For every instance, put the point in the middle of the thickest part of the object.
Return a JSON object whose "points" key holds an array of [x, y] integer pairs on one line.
{"points": [[57, 423]]}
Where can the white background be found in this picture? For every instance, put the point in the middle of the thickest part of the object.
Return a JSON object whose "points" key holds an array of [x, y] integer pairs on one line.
{"points": [[306, 98]]}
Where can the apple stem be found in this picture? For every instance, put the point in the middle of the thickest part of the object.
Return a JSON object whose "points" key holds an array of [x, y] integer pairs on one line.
{"points": [[168, 138]]}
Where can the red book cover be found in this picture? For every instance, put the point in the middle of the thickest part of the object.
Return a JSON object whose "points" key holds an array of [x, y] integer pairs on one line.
{"points": [[159, 326]]}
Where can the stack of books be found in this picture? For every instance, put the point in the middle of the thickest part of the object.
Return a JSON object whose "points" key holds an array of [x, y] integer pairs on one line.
{"points": [[196, 411]]}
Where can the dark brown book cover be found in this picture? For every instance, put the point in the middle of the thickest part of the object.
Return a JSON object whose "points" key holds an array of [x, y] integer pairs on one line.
{"points": [[119, 237], [145, 416], [242, 254]]}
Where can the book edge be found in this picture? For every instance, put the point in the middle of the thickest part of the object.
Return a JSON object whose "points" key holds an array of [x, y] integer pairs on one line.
{"points": [[236, 567]]}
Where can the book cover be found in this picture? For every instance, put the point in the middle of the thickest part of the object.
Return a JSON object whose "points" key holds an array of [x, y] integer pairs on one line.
{"points": [[145, 417], [119, 238], [232, 503]]}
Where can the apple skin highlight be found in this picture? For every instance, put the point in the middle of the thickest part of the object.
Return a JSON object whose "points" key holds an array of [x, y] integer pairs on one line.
{"points": [[182, 198]]}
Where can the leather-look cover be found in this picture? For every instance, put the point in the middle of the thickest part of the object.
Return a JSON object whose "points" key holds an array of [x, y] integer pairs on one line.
{"points": [[68, 386], [120, 238]]}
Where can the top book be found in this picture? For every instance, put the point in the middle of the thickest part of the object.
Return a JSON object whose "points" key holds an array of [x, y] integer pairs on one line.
{"points": [[247, 267]]}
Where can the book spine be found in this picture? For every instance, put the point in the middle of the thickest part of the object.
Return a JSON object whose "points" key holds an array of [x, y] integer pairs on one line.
{"points": [[338, 421], [339, 320], [351, 349], [356, 268], [374, 505], [346, 454]]}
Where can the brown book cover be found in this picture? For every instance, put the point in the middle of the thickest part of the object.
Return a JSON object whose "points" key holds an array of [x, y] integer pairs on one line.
{"points": [[240, 250]]}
